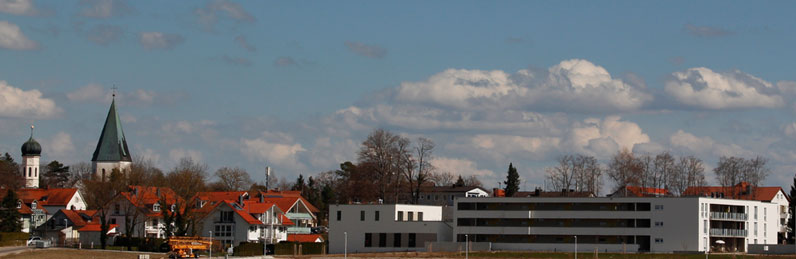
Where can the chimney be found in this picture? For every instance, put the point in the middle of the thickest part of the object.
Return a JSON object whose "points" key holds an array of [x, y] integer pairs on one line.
{"points": [[240, 200], [262, 197]]}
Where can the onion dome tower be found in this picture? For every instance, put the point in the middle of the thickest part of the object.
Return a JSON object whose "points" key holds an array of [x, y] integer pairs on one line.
{"points": [[31, 152]]}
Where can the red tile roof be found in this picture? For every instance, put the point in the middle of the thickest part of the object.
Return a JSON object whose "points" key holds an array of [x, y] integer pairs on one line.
{"points": [[47, 197], [79, 218], [220, 196], [305, 238], [288, 196], [286, 221], [636, 191], [96, 227], [256, 207], [147, 195], [739, 191]]}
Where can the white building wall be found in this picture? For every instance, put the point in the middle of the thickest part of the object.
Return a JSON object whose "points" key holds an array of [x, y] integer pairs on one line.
{"points": [[30, 165], [109, 166], [352, 226]]}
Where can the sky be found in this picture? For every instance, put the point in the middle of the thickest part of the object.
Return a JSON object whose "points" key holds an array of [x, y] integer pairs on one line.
{"points": [[298, 85]]}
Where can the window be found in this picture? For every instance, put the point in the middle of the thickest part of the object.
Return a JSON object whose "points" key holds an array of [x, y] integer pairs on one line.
{"points": [[361, 215], [659, 240], [376, 216], [223, 231], [765, 216], [117, 209], [755, 241], [156, 207], [154, 222], [400, 216], [19, 204], [658, 207], [705, 226], [755, 212], [226, 216], [36, 172], [419, 216], [412, 237], [34, 204], [659, 223], [30, 172], [382, 239], [113, 220], [339, 215], [396, 240], [368, 239], [755, 230], [765, 230], [410, 216]]}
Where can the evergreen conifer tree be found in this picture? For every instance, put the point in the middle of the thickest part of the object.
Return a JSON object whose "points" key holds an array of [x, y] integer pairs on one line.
{"points": [[9, 215], [512, 181]]}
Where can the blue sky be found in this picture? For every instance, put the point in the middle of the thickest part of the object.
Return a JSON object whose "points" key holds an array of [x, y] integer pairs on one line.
{"points": [[298, 85]]}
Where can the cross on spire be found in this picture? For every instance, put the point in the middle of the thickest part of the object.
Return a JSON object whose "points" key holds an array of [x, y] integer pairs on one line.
{"points": [[114, 88]]}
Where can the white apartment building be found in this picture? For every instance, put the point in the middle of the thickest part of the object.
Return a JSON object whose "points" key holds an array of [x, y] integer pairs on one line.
{"points": [[649, 224], [385, 227]]}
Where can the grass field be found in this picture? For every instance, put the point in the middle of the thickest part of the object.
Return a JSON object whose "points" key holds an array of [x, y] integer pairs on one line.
{"points": [[77, 254]]}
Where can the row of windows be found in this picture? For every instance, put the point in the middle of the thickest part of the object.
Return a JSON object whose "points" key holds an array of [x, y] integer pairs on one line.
{"points": [[33, 172], [223, 231], [554, 222], [555, 239], [557, 206], [397, 239], [410, 215]]}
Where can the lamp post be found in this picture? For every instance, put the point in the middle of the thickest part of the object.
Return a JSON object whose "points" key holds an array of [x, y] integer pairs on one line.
{"points": [[345, 249], [466, 246], [210, 253], [576, 247]]}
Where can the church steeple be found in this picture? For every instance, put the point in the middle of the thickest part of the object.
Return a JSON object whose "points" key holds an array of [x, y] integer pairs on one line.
{"points": [[31, 152], [111, 151]]}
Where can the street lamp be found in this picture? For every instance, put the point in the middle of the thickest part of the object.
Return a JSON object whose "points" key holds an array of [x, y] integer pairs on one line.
{"points": [[210, 253], [466, 246], [345, 249], [576, 247]]}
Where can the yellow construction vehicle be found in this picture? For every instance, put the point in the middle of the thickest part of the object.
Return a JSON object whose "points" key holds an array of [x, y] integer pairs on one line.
{"points": [[181, 247]]}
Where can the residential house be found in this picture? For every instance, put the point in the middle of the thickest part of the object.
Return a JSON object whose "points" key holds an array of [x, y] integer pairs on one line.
{"points": [[140, 210], [296, 208], [37, 205], [66, 226], [234, 218]]}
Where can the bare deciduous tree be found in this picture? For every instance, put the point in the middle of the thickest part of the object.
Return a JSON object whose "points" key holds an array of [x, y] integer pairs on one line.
{"points": [[386, 154], [575, 172], [233, 179], [624, 170], [688, 172], [187, 178], [442, 178], [423, 150]]}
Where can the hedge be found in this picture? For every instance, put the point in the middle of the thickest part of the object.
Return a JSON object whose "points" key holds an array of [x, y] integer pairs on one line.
{"points": [[143, 244], [9, 236], [286, 248]]}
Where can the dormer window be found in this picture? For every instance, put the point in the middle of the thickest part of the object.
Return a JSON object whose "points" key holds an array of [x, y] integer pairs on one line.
{"points": [[156, 207], [32, 205], [19, 204]]}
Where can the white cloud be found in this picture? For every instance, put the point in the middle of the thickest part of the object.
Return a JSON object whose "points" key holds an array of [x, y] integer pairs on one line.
{"points": [[88, 92], [274, 148], [59, 147], [104, 8], [459, 166], [180, 153], [11, 37], [573, 85], [603, 138], [159, 40], [702, 146], [15, 102], [704, 88], [18, 7], [209, 15]]}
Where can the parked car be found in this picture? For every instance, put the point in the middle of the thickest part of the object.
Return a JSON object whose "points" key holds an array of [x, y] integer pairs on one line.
{"points": [[32, 240]]}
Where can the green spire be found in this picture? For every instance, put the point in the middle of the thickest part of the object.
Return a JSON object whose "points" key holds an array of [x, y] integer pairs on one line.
{"points": [[112, 146]]}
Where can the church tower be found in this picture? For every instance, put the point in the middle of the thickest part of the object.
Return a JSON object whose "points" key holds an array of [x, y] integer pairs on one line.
{"points": [[31, 152], [111, 152]]}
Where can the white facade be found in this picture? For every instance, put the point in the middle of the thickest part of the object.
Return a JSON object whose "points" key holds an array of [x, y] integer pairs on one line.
{"points": [[385, 228], [104, 169], [616, 224], [30, 165]]}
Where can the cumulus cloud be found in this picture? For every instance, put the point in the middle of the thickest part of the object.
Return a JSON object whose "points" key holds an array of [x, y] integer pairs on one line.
{"points": [[18, 7], [703, 88], [159, 40], [603, 138], [706, 145], [705, 31], [459, 166], [367, 50], [274, 148], [15, 102], [237, 61], [208, 16], [11, 37], [284, 61], [574, 85], [59, 146], [243, 43], [87, 93], [97, 93], [104, 8], [104, 34], [180, 153]]}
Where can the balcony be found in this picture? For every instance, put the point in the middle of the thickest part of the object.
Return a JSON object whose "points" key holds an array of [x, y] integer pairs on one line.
{"points": [[299, 230], [152, 230], [724, 232], [729, 216]]}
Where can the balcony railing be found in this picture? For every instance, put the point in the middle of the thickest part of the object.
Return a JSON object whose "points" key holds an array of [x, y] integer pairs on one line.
{"points": [[729, 216], [299, 230], [728, 232]]}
